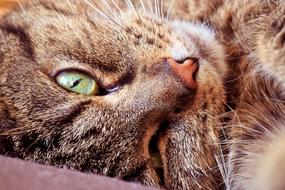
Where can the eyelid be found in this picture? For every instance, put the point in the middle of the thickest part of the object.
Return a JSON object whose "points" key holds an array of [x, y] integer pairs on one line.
{"points": [[62, 64]]}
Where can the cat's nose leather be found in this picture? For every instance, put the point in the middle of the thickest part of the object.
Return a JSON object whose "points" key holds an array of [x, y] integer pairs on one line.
{"points": [[185, 70]]}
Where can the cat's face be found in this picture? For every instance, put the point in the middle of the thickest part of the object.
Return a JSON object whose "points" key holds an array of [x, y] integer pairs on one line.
{"points": [[135, 58]]}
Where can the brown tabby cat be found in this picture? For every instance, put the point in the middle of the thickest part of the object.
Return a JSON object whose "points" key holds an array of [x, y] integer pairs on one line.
{"points": [[104, 86]]}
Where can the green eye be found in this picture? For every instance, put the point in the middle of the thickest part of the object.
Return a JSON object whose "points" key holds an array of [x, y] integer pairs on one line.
{"points": [[78, 82]]}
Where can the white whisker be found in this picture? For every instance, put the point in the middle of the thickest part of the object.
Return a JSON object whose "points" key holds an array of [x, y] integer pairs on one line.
{"points": [[97, 10], [116, 5], [162, 9], [220, 159], [156, 8], [169, 11], [113, 12], [104, 14], [130, 5], [236, 115], [21, 6], [134, 8], [143, 6], [150, 6]]}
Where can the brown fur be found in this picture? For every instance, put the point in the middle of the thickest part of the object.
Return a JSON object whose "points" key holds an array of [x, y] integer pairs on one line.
{"points": [[219, 130]]}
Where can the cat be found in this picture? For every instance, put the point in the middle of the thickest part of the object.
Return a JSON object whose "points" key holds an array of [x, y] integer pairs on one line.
{"points": [[256, 31], [105, 87]]}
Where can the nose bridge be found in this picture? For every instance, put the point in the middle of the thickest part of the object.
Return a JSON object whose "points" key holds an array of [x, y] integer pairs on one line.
{"points": [[185, 69]]}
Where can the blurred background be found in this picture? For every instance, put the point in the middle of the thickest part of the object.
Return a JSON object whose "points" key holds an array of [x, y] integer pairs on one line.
{"points": [[5, 5]]}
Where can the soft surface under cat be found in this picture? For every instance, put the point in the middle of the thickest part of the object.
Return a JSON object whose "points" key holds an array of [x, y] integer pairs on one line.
{"points": [[110, 87]]}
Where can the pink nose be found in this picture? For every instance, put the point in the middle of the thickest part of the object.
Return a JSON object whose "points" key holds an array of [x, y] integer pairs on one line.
{"points": [[185, 70]]}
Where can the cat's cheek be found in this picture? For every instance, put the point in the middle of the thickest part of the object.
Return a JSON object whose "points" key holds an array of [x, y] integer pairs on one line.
{"points": [[187, 150], [171, 152]]}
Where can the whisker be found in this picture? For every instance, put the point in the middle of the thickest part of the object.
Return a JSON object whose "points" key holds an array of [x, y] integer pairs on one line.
{"points": [[220, 159], [98, 11], [130, 5], [21, 6], [113, 12], [222, 168], [116, 5], [70, 6], [104, 14], [143, 6], [150, 6], [169, 11], [156, 8], [236, 115], [162, 9], [134, 8]]}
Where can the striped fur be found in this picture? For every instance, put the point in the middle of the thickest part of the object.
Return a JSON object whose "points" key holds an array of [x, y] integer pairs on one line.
{"points": [[220, 136]]}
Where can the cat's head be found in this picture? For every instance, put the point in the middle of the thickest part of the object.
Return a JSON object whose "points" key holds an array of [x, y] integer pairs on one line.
{"points": [[98, 91]]}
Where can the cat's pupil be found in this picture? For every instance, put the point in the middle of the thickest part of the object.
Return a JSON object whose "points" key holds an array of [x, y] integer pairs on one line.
{"points": [[75, 83]]}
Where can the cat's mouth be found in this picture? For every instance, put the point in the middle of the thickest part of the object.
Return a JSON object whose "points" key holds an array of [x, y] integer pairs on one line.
{"points": [[155, 154], [156, 157]]}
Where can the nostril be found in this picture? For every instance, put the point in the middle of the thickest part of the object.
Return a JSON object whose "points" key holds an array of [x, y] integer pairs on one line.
{"points": [[194, 59], [186, 70]]}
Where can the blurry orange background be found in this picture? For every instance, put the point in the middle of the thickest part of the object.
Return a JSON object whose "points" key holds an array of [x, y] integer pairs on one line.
{"points": [[5, 5]]}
